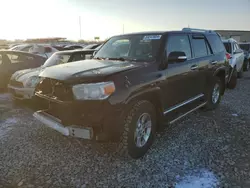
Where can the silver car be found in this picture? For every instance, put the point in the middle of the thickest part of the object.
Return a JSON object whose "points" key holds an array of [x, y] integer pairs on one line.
{"points": [[22, 83]]}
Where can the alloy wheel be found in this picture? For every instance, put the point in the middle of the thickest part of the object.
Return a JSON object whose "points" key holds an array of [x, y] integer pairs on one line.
{"points": [[143, 130]]}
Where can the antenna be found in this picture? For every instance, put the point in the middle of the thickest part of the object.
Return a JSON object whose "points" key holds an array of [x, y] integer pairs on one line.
{"points": [[80, 27]]}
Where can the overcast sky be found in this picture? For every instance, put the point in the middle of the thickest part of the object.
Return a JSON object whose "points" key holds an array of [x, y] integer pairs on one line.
{"points": [[60, 18]]}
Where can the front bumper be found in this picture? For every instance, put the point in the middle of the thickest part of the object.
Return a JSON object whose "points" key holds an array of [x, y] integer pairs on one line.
{"points": [[21, 93], [104, 118], [54, 123]]}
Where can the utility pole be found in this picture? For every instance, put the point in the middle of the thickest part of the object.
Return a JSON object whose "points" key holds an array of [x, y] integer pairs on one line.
{"points": [[123, 28], [80, 27]]}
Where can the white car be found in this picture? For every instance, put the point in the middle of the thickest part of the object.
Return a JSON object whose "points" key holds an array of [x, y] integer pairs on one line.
{"points": [[22, 83], [236, 60], [39, 49], [245, 46]]}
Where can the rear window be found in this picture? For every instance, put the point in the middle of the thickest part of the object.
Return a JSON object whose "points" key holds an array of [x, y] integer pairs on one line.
{"points": [[228, 47], [245, 47], [215, 43]]}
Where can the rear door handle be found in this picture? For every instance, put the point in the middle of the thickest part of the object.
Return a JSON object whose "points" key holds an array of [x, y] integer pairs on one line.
{"points": [[214, 62], [194, 67]]}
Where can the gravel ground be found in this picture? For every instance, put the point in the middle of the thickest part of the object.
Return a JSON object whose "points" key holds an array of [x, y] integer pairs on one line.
{"points": [[206, 149]]}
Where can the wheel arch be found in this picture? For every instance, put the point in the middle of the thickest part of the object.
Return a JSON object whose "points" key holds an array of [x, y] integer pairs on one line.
{"points": [[221, 73], [153, 95]]}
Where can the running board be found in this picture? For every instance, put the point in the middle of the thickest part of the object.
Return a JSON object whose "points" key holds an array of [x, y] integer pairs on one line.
{"points": [[183, 115]]}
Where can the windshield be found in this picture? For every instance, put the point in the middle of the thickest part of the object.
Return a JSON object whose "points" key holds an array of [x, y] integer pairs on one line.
{"points": [[57, 59], [228, 47], [133, 47], [245, 47]]}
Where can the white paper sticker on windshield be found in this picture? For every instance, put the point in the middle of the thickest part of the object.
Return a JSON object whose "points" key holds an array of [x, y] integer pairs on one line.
{"points": [[152, 37]]}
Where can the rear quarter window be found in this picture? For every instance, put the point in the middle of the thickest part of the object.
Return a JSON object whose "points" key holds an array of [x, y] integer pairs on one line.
{"points": [[215, 43]]}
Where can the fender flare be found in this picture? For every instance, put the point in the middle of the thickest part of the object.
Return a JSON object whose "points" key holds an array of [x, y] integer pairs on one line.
{"points": [[219, 69], [146, 93]]}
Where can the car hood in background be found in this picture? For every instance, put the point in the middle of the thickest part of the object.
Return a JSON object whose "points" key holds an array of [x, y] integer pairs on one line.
{"points": [[23, 75]]}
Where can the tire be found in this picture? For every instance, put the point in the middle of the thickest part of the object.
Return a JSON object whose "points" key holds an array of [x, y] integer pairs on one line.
{"points": [[246, 65], [233, 81], [240, 74], [216, 85], [127, 145]]}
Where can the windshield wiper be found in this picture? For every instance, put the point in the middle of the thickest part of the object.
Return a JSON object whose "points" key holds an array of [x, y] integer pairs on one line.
{"points": [[117, 58], [99, 58]]}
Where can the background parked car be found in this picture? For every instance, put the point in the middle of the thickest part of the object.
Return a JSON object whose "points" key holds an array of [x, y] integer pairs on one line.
{"points": [[12, 61], [246, 48], [92, 46], [22, 84], [73, 47], [39, 49], [236, 60], [59, 48]]}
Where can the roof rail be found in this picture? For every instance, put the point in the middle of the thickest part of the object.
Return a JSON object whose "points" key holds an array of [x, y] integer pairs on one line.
{"points": [[197, 30]]}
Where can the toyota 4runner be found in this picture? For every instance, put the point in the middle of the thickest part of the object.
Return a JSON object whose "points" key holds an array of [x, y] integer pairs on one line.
{"points": [[133, 84]]}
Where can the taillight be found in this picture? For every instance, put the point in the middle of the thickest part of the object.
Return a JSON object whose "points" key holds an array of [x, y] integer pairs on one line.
{"points": [[228, 56]]}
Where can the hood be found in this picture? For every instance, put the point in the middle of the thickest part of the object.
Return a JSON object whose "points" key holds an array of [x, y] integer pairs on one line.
{"points": [[23, 75], [83, 70]]}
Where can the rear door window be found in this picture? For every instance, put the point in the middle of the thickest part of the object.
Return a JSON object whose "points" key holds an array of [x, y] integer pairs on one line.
{"points": [[13, 58], [18, 58], [199, 47]]}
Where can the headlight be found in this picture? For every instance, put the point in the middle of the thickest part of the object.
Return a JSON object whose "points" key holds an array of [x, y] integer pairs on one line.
{"points": [[32, 81], [93, 91]]}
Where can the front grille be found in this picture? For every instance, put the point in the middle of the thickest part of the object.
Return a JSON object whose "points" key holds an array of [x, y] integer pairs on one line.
{"points": [[16, 83], [55, 89]]}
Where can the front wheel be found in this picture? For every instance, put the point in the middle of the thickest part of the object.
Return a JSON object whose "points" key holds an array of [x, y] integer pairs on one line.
{"points": [[214, 94], [139, 130]]}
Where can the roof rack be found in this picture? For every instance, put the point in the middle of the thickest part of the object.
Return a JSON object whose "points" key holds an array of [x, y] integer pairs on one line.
{"points": [[197, 30]]}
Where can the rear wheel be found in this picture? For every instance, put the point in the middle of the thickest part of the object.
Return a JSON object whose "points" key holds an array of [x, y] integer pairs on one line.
{"points": [[214, 94], [139, 130]]}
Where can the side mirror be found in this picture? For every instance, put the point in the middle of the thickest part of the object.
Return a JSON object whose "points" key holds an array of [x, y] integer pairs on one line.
{"points": [[176, 57]]}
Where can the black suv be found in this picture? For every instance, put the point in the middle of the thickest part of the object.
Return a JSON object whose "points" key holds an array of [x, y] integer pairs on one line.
{"points": [[134, 83]]}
